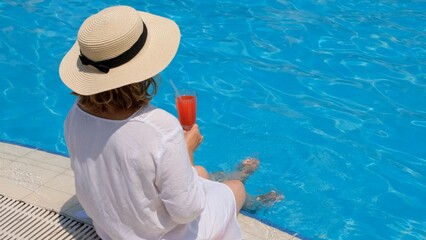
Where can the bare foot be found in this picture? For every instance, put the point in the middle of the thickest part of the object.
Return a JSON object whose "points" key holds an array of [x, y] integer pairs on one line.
{"points": [[242, 171], [247, 167], [269, 198], [264, 201]]}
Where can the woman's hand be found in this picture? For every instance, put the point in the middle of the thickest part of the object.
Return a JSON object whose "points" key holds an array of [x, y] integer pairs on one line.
{"points": [[193, 139]]}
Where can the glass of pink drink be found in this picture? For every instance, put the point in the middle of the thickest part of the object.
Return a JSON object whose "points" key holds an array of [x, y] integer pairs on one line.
{"points": [[186, 104]]}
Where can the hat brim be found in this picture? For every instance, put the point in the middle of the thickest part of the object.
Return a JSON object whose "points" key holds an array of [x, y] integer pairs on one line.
{"points": [[160, 48]]}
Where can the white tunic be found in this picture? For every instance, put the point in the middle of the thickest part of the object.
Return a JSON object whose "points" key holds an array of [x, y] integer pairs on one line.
{"points": [[134, 179]]}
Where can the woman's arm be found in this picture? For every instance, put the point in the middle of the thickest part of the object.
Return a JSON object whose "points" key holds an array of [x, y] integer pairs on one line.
{"points": [[177, 180], [193, 139]]}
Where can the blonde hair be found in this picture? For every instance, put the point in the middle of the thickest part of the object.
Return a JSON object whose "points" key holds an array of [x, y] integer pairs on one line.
{"points": [[127, 97]]}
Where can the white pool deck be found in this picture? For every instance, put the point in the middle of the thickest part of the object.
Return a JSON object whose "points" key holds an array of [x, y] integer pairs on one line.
{"points": [[46, 180]]}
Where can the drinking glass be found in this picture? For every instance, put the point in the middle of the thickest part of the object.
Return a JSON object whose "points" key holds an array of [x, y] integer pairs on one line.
{"points": [[186, 104]]}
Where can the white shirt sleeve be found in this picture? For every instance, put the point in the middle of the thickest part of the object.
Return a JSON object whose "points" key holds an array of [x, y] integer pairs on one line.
{"points": [[177, 181]]}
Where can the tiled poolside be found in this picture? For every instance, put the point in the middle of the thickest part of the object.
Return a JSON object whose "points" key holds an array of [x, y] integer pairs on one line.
{"points": [[46, 180]]}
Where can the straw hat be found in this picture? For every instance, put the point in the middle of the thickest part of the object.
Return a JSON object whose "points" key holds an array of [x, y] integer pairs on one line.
{"points": [[116, 47]]}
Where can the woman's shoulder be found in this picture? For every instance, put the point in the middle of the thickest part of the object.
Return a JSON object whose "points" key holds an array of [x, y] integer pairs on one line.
{"points": [[154, 114], [159, 119]]}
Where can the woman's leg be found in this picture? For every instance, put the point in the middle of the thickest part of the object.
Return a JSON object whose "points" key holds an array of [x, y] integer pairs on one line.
{"points": [[202, 172], [239, 191]]}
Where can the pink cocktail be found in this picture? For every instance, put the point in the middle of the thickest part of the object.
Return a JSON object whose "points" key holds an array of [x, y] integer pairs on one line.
{"points": [[186, 104]]}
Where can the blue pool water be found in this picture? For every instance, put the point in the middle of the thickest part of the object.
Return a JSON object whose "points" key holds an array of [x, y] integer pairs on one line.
{"points": [[330, 95]]}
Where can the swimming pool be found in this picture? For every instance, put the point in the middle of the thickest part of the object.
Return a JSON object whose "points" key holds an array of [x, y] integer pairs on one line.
{"points": [[330, 95]]}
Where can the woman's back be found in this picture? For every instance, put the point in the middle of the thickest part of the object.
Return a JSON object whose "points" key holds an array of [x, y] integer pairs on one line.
{"points": [[116, 167]]}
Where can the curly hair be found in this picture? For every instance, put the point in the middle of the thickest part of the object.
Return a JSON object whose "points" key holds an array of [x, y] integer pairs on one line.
{"points": [[127, 97]]}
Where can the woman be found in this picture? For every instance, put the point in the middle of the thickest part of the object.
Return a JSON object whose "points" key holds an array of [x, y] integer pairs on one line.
{"points": [[133, 164]]}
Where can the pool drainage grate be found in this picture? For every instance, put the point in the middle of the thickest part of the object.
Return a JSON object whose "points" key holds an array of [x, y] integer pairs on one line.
{"points": [[19, 220]]}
